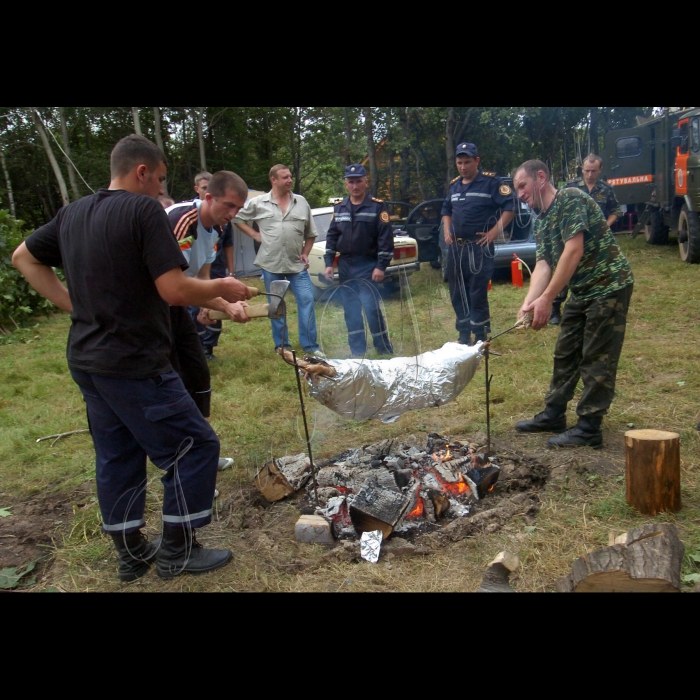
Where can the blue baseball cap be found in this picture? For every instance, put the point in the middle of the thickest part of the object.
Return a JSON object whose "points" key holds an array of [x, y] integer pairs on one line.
{"points": [[467, 149], [355, 170]]}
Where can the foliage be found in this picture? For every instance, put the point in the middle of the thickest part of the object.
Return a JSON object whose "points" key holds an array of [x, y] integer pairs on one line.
{"points": [[18, 301], [11, 577]]}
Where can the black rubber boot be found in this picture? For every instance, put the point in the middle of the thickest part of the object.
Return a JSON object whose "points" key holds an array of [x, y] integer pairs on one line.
{"points": [[555, 316], [465, 338], [551, 420], [180, 553], [586, 433], [136, 554]]}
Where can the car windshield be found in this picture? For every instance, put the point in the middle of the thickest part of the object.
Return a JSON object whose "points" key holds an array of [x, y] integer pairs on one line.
{"points": [[322, 221]]}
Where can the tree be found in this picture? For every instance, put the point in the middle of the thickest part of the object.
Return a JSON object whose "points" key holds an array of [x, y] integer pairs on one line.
{"points": [[49, 153]]}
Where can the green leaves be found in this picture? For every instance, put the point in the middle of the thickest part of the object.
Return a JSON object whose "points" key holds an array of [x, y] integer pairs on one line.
{"points": [[5, 512], [12, 577]]}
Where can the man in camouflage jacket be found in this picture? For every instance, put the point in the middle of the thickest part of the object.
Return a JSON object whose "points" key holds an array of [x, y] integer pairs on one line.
{"points": [[604, 197], [576, 247]]}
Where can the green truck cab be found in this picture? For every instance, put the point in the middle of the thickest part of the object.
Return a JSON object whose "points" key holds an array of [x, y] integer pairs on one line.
{"points": [[656, 167]]}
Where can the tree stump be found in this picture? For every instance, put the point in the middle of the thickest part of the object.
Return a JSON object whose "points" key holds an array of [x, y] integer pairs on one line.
{"points": [[653, 471], [646, 559]]}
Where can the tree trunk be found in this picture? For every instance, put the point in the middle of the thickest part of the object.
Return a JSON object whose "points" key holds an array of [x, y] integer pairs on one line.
{"points": [[450, 122], [66, 147], [405, 157], [52, 159], [199, 123], [595, 120], [371, 151], [653, 464], [348, 135], [8, 183], [137, 120], [159, 139], [295, 142]]}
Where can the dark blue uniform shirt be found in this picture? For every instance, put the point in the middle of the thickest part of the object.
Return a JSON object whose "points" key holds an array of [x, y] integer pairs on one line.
{"points": [[361, 230], [478, 205]]}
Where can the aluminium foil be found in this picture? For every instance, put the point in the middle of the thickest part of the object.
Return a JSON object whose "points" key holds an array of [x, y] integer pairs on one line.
{"points": [[386, 389]]}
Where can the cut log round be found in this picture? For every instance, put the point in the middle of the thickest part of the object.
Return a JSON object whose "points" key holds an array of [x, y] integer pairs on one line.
{"points": [[653, 471]]}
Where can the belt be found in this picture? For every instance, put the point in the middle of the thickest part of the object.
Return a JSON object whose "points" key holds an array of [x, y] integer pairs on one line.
{"points": [[464, 241]]}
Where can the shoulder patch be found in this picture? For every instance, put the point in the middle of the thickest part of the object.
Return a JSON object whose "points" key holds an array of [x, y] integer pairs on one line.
{"points": [[455, 180], [488, 174], [384, 217], [504, 190], [374, 199]]}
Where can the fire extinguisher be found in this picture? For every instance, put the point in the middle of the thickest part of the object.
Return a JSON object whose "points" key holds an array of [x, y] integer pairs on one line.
{"points": [[516, 271]]}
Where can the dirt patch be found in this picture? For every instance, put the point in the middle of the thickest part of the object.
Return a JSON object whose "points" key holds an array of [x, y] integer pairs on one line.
{"points": [[28, 535]]}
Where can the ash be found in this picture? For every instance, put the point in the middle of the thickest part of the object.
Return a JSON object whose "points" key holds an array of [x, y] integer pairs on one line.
{"points": [[411, 489]]}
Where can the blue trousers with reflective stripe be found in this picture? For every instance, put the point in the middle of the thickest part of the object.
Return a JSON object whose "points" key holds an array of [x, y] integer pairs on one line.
{"points": [[360, 294], [131, 420]]}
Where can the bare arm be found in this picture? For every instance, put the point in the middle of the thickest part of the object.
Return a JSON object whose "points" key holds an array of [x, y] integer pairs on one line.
{"points": [[179, 290], [308, 245], [544, 286], [447, 229], [41, 277], [491, 235], [204, 272]]}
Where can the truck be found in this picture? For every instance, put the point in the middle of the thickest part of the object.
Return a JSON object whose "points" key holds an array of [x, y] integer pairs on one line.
{"points": [[655, 170]]}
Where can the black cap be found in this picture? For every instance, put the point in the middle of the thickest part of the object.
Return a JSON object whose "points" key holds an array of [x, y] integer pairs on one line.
{"points": [[355, 170], [467, 149]]}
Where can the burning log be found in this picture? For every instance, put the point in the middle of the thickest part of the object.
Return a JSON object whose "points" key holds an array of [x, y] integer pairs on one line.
{"points": [[646, 559], [376, 507], [496, 576], [441, 503]]}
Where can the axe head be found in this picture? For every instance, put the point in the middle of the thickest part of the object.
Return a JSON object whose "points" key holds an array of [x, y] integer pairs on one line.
{"points": [[276, 308]]}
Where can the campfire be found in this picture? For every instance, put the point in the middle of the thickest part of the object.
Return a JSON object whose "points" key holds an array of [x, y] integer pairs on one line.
{"points": [[388, 487]]}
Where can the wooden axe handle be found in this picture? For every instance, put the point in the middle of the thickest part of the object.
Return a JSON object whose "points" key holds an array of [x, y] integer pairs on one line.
{"points": [[253, 311]]}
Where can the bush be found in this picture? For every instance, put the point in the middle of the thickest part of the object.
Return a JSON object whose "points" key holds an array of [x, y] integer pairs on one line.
{"points": [[18, 301]]}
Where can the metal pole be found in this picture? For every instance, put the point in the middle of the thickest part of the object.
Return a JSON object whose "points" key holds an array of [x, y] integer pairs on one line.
{"points": [[488, 404], [306, 428]]}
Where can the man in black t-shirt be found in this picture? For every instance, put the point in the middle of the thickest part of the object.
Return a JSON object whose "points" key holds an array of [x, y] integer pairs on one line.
{"points": [[123, 267]]}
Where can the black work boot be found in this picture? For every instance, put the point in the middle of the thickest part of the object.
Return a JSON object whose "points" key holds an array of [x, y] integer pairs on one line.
{"points": [[551, 420], [136, 554], [586, 433], [465, 338], [180, 553], [555, 316]]}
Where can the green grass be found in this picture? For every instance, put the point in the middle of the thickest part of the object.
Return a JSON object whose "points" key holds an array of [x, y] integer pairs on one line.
{"points": [[256, 413]]}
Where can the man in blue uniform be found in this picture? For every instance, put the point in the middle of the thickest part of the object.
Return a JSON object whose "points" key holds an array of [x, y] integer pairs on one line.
{"points": [[477, 208], [360, 231]]}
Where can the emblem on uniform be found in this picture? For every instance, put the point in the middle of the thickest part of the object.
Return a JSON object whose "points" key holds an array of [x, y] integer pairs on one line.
{"points": [[504, 189], [384, 216]]}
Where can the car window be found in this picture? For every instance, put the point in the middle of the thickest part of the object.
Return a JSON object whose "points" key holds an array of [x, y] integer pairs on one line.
{"points": [[322, 221]]}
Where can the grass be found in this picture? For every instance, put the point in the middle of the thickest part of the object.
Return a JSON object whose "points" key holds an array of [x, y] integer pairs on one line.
{"points": [[256, 413]]}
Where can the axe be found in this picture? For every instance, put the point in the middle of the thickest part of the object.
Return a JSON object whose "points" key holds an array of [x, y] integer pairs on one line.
{"points": [[274, 310]]}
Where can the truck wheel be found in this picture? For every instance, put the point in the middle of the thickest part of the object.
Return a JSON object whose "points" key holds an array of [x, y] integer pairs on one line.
{"points": [[689, 235], [655, 232]]}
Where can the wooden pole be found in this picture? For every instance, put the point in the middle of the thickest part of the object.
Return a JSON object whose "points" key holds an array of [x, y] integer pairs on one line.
{"points": [[653, 470]]}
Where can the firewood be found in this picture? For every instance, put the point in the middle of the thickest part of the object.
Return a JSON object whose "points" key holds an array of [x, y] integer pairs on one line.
{"points": [[653, 465], [496, 576], [646, 559]]}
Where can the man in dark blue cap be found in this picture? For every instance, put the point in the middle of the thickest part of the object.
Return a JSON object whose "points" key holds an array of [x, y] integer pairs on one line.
{"points": [[361, 233], [477, 208]]}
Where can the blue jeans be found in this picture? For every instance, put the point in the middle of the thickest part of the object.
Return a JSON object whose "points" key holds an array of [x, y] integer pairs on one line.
{"points": [[360, 294], [303, 290]]}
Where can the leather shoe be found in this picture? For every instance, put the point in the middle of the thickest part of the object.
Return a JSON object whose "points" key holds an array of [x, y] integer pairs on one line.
{"points": [[577, 437], [551, 420]]}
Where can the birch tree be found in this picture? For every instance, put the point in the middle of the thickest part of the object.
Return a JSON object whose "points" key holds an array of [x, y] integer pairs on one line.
{"points": [[137, 120], [49, 154], [66, 149]]}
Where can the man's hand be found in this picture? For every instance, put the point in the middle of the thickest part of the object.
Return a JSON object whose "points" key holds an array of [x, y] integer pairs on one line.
{"points": [[540, 310], [486, 237], [305, 259], [377, 275], [234, 290], [236, 312], [203, 317], [328, 273]]}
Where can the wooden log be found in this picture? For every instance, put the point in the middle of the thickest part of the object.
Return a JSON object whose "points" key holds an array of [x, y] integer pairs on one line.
{"points": [[496, 576], [376, 507], [653, 468], [282, 476], [646, 559]]}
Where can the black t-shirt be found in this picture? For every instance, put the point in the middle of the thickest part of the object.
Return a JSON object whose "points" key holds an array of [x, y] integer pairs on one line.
{"points": [[112, 246]]}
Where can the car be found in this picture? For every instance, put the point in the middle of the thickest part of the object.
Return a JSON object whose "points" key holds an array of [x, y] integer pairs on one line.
{"points": [[405, 257], [424, 223]]}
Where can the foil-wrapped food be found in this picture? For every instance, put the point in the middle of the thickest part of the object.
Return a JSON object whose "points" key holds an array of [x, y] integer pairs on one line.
{"points": [[386, 389]]}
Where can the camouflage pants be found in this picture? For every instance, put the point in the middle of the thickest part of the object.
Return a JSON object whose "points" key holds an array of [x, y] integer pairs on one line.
{"points": [[589, 346]]}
